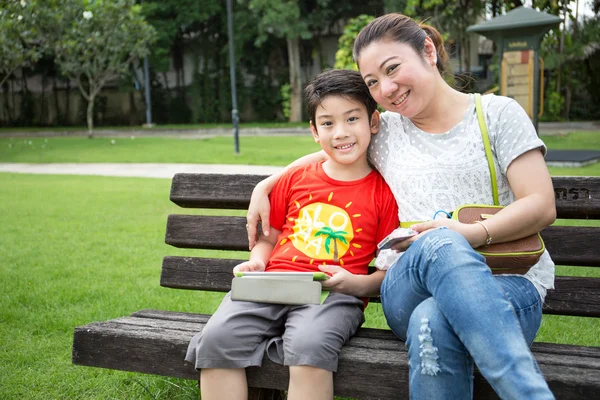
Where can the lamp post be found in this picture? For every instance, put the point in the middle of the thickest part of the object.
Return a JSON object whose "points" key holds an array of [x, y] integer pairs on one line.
{"points": [[234, 111], [147, 90]]}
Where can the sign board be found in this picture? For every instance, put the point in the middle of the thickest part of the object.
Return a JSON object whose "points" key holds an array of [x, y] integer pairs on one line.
{"points": [[517, 79]]}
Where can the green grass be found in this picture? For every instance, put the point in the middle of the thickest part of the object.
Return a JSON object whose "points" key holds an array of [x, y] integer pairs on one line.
{"points": [[79, 249], [574, 141], [254, 150]]}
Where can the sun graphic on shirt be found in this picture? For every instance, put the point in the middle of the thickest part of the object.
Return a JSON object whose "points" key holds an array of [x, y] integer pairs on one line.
{"points": [[324, 231]]}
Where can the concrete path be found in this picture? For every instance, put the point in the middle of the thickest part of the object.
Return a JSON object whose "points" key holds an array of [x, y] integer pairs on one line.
{"points": [[135, 170]]}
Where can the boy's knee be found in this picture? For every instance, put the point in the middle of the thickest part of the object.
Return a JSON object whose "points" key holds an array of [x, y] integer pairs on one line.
{"points": [[306, 345], [215, 336]]}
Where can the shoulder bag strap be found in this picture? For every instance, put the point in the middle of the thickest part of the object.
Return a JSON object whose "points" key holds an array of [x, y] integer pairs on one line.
{"points": [[486, 146]]}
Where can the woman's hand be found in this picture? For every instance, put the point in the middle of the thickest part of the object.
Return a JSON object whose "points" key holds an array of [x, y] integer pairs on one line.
{"points": [[250, 266], [258, 211], [474, 233]]}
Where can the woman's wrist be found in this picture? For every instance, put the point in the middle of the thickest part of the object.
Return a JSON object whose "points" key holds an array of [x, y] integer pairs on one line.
{"points": [[479, 235]]}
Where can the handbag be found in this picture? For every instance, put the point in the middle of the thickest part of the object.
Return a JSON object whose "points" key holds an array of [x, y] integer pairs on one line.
{"points": [[514, 257]]}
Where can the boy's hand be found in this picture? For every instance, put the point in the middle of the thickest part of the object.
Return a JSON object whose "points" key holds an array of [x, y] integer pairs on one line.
{"points": [[250, 266], [341, 280]]}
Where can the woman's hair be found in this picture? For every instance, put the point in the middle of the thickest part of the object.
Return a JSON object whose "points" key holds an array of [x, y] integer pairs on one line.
{"points": [[402, 29], [338, 82]]}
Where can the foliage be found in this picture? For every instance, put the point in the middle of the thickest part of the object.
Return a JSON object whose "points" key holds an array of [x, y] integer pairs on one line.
{"points": [[286, 94], [174, 20], [343, 57], [572, 86], [296, 21], [99, 42], [21, 39], [553, 106], [451, 18]]}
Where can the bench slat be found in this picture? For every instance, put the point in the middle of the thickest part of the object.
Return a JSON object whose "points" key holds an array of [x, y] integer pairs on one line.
{"points": [[573, 295], [213, 190], [568, 245], [576, 197], [157, 346]]}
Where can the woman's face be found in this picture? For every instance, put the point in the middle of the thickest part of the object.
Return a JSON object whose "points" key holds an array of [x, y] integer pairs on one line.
{"points": [[399, 79]]}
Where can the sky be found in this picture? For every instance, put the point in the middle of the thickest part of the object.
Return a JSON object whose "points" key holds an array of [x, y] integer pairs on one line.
{"points": [[585, 7]]}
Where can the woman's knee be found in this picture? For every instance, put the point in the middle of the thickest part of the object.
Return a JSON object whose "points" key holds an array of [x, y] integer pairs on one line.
{"points": [[430, 335], [445, 248]]}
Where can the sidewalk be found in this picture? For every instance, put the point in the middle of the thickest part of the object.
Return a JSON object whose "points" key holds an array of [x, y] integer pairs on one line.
{"points": [[136, 170]]}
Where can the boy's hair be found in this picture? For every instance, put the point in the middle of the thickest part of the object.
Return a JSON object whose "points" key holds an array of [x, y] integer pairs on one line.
{"points": [[338, 82]]}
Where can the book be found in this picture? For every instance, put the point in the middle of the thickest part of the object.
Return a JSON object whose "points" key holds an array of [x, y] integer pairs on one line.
{"points": [[309, 276], [291, 288]]}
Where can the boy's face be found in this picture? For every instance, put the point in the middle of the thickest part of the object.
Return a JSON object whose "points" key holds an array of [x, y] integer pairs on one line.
{"points": [[343, 130]]}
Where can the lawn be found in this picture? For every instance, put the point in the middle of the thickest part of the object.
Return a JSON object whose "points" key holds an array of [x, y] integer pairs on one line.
{"points": [[80, 249], [254, 150], [77, 249]]}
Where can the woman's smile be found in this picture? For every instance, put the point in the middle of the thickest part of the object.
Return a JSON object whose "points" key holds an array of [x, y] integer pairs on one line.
{"points": [[401, 99]]}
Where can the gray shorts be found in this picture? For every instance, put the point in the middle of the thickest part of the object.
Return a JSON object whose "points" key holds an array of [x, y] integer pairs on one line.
{"points": [[240, 332]]}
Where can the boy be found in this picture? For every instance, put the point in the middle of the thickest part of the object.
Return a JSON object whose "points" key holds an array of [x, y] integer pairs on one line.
{"points": [[327, 216]]}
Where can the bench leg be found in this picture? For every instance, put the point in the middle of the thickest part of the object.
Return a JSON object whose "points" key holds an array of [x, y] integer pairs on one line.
{"points": [[265, 394]]}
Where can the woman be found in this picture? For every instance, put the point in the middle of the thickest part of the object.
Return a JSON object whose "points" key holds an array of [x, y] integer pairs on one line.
{"points": [[439, 296]]}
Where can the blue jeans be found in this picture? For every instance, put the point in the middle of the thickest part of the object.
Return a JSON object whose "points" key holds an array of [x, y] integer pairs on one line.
{"points": [[442, 300]]}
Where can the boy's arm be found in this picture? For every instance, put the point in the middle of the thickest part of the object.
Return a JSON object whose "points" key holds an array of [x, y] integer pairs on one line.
{"points": [[346, 282], [260, 254]]}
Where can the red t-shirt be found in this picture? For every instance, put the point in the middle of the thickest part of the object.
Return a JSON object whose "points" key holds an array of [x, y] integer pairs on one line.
{"points": [[325, 221]]}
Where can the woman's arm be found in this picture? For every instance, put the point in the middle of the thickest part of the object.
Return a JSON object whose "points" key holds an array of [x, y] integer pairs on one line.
{"points": [[260, 208], [534, 208], [532, 211], [260, 254]]}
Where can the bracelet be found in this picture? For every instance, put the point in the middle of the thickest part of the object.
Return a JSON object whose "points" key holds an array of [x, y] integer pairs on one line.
{"points": [[488, 240]]}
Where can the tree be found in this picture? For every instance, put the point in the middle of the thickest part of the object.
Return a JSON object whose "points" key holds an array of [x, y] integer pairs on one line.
{"points": [[343, 57], [452, 18], [283, 19], [298, 20], [98, 42], [335, 236], [21, 40]]}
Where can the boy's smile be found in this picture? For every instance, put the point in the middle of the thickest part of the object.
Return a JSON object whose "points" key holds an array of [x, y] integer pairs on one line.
{"points": [[343, 130]]}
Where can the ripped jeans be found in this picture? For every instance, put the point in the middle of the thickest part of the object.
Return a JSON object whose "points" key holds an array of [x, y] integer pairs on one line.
{"points": [[442, 300]]}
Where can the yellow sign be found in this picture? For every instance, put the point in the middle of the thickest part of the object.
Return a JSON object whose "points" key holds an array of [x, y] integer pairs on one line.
{"points": [[517, 78]]}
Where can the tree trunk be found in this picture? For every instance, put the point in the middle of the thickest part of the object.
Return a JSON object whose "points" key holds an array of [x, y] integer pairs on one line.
{"points": [[90, 116], [467, 54], [335, 251], [567, 109], [132, 109], [68, 102], [295, 80], [43, 100], [58, 118]]}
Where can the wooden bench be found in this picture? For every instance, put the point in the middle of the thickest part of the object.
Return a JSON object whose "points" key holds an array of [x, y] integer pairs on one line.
{"points": [[374, 363]]}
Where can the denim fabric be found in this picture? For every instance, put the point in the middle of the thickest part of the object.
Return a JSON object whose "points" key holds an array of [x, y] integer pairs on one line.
{"points": [[442, 300]]}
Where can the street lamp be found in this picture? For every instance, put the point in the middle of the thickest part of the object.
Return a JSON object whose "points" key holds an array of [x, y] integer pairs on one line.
{"points": [[147, 90], [234, 112]]}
